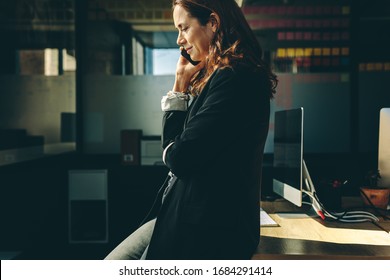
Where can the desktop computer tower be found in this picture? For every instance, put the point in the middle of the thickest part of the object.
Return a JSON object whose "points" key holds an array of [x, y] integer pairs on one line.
{"points": [[87, 205], [131, 146], [68, 127]]}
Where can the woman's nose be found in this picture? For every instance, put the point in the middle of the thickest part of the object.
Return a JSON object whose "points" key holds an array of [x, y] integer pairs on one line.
{"points": [[180, 40]]}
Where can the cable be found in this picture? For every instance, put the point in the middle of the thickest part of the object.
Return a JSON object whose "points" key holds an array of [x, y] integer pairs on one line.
{"points": [[346, 216]]}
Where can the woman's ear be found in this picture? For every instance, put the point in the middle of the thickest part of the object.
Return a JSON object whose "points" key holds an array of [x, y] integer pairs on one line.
{"points": [[214, 21]]}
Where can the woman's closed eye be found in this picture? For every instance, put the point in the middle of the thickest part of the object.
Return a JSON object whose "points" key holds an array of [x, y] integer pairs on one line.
{"points": [[184, 29]]}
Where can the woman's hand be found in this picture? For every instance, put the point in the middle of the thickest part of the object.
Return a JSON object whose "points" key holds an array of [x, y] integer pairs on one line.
{"points": [[184, 72]]}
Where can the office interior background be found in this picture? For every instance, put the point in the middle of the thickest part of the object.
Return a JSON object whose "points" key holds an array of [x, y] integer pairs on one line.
{"points": [[81, 83]]}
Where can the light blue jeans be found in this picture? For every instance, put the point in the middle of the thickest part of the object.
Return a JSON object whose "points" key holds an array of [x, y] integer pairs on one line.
{"points": [[134, 247]]}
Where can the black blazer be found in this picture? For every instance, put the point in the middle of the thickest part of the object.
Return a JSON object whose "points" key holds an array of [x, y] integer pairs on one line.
{"points": [[213, 210]]}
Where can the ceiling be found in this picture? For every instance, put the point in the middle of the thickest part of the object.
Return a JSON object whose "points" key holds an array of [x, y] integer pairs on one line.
{"points": [[152, 21]]}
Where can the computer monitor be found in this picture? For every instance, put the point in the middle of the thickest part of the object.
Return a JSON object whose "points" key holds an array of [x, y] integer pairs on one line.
{"points": [[291, 177], [384, 147], [288, 155]]}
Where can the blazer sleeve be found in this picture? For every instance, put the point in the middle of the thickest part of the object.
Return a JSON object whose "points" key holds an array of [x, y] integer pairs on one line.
{"points": [[209, 131], [172, 125]]}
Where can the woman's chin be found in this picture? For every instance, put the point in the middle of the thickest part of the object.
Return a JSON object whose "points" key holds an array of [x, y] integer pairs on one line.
{"points": [[196, 58]]}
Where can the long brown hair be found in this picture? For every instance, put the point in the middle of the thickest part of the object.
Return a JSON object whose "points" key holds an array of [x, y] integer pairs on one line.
{"points": [[234, 41]]}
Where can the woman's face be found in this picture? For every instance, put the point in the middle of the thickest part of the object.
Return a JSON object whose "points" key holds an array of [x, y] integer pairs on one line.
{"points": [[194, 37]]}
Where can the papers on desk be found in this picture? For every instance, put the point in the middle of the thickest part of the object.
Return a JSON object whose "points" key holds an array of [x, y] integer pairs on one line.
{"points": [[266, 220]]}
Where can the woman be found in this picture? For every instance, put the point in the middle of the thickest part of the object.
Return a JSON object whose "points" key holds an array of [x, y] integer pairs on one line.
{"points": [[214, 148]]}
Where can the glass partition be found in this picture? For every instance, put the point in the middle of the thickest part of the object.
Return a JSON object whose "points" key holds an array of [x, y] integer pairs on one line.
{"points": [[37, 75]]}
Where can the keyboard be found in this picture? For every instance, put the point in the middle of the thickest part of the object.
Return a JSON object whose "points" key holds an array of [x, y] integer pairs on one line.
{"points": [[266, 220]]}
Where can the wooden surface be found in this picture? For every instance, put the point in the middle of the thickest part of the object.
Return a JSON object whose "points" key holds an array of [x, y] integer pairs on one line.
{"points": [[313, 238]]}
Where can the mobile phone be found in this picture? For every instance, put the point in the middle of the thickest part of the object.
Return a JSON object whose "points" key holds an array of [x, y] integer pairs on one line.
{"points": [[187, 56]]}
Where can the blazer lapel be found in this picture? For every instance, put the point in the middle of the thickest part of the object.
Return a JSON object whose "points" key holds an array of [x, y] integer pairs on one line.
{"points": [[198, 101]]}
